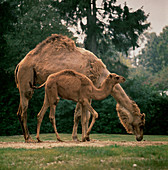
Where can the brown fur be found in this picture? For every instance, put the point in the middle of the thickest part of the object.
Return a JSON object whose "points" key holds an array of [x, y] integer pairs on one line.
{"points": [[124, 119], [58, 41], [74, 86], [95, 71]]}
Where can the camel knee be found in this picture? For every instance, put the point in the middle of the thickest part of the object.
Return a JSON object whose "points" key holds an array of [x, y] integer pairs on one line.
{"points": [[22, 112], [29, 94], [57, 100], [52, 118], [77, 118], [19, 112], [39, 118]]}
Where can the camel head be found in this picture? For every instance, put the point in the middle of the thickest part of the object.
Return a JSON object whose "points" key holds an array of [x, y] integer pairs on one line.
{"points": [[133, 122], [138, 126], [114, 78]]}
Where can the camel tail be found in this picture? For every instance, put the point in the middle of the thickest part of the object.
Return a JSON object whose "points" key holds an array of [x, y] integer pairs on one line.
{"points": [[15, 74], [36, 87]]}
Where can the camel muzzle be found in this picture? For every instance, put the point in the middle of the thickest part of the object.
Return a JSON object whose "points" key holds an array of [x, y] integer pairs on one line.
{"points": [[139, 138]]}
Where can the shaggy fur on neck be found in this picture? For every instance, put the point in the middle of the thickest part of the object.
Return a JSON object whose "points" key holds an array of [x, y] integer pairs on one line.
{"points": [[96, 69]]}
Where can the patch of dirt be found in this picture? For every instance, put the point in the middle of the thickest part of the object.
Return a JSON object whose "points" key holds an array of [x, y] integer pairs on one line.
{"points": [[96, 143]]}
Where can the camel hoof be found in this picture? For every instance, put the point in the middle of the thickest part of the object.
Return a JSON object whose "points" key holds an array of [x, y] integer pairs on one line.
{"points": [[59, 140], [75, 138], [87, 138], [40, 141], [84, 140]]}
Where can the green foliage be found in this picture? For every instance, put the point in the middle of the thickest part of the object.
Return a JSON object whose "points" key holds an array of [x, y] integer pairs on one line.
{"points": [[154, 55], [111, 57], [108, 120], [151, 103]]}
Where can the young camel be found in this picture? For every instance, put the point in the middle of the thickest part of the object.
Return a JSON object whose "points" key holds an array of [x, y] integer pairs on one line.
{"points": [[71, 85]]}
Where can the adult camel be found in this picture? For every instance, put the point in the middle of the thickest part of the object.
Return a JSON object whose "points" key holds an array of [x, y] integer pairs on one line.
{"points": [[57, 53]]}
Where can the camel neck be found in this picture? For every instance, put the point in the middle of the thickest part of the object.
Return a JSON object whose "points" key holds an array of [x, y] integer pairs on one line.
{"points": [[102, 92], [121, 97]]}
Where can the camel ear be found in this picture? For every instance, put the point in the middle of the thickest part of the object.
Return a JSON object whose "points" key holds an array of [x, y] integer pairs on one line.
{"points": [[111, 75], [143, 116]]}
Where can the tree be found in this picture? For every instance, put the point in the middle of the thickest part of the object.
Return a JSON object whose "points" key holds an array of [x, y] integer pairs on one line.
{"points": [[121, 25], [7, 20], [152, 63], [154, 57], [36, 20]]}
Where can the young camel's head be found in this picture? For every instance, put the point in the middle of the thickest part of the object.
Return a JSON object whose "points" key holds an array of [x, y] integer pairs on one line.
{"points": [[113, 79]]}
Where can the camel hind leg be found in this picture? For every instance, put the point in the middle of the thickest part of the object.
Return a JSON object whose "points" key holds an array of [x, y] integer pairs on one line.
{"points": [[40, 116], [22, 113], [22, 77], [53, 122], [52, 94], [94, 117], [77, 117], [22, 123]]}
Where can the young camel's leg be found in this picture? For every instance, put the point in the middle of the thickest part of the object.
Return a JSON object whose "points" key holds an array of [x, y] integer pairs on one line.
{"points": [[94, 117], [53, 122], [41, 115], [83, 121], [53, 99], [77, 117]]}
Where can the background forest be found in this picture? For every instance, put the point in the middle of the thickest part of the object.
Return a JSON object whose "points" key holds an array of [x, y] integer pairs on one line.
{"points": [[110, 31]]}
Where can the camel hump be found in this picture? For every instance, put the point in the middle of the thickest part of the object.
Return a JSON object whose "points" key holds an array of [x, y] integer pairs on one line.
{"points": [[58, 41]]}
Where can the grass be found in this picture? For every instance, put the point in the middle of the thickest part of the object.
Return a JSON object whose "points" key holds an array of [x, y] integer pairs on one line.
{"points": [[90, 158], [102, 137]]}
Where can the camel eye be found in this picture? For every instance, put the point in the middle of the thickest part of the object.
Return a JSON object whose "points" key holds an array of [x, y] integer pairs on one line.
{"points": [[117, 78]]}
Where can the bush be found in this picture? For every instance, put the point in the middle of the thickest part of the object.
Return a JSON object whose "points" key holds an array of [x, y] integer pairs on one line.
{"points": [[148, 99]]}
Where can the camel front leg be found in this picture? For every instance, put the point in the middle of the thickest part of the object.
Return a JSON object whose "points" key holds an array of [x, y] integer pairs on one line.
{"points": [[83, 121], [94, 117], [77, 116], [53, 122]]}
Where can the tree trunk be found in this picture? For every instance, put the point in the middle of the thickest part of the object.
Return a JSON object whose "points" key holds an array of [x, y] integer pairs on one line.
{"points": [[90, 43]]}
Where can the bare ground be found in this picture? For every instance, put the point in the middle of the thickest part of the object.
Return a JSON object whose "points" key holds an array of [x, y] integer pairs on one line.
{"points": [[94, 143]]}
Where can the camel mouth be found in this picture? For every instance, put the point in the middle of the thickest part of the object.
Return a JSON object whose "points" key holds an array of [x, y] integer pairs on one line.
{"points": [[139, 138], [123, 79]]}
